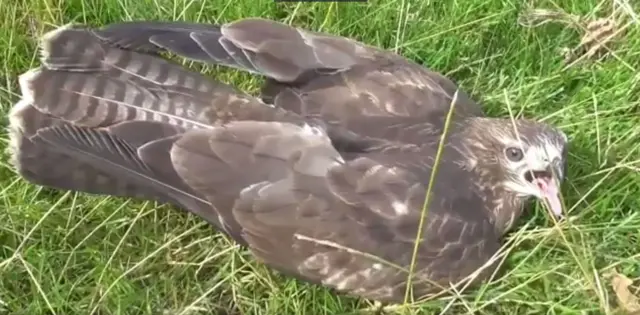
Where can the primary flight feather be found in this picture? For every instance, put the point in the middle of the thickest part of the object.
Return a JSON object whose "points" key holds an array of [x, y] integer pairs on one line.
{"points": [[323, 178]]}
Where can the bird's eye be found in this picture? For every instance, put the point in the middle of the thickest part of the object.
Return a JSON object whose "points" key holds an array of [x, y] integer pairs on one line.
{"points": [[514, 154]]}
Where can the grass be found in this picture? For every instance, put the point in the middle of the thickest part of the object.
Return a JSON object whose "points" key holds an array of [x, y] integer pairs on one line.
{"points": [[67, 253]]}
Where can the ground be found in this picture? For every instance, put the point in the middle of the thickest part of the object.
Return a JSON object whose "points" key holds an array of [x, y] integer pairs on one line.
{"points": [[67, 253]]}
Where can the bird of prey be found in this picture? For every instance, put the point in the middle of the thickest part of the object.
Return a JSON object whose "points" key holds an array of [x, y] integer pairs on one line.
{"points": [[323, 177]]}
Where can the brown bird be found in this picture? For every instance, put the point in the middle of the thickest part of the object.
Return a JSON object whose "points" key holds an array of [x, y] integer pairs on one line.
{"points": [[324, 178]]}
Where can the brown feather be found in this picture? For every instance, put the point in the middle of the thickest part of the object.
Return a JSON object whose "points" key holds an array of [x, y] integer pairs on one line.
{"points": [[326, 184]]}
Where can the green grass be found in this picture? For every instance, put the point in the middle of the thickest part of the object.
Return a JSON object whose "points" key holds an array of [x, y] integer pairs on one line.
{"points": [[66, 253]]}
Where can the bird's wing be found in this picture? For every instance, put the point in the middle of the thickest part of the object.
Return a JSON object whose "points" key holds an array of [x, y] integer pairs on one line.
{"points": [[314, 74], [351, 225], [129, 159], [261, 46], [89, 83], [44, 165], [89, 92]]}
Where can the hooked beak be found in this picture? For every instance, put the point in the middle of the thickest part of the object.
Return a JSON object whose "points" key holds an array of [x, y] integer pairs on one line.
{"points": [[548, 182], [558, 169]]}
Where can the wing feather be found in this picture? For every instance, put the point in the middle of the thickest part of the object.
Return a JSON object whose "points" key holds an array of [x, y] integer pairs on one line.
{"points": [[305, 69], [140, 133], [288, 194], [257, 45], [116, 156], [98, 147], [91, 83], [46, 166]]}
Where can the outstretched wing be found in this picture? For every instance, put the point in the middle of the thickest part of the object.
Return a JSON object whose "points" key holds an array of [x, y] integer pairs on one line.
{"points": [[95, 118], [349, 225], [87, 82], [339, 80], [279, 51]]}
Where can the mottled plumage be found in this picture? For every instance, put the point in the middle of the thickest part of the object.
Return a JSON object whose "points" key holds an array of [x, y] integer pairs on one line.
{"points": [[328, 170]]}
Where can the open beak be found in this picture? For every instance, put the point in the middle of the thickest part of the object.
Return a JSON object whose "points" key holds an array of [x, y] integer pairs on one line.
{"points": [[547, 182]]}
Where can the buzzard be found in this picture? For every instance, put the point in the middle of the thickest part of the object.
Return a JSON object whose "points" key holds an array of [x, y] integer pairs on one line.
{"points": [[324, 177]]}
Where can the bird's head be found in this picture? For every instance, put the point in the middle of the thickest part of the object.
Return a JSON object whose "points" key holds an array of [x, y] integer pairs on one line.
{"points": [[527, 157]]}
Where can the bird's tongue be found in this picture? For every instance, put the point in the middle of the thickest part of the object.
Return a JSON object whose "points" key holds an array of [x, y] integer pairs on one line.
{"points": [[550, 193]]}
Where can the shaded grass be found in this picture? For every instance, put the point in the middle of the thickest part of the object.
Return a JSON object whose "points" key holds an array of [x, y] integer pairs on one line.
{"points": [[65, 253]]}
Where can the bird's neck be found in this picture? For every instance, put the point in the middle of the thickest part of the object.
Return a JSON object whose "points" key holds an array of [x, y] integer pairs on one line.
{"points": [[502, 206], [507, 209]]}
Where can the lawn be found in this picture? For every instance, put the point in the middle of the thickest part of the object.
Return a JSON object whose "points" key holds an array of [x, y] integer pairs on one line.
{"points": [[70, 253]]}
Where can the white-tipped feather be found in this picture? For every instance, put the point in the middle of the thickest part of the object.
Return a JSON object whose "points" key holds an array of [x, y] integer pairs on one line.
{"points": [[51, 36], [16, 131], [25, 81], [15, 115]]}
